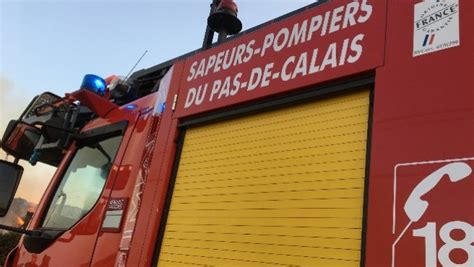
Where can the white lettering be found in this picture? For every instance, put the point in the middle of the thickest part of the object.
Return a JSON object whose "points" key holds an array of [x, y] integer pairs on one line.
{"points": [[195, 96], [313, 68], [301, 66], [298, 34], [349, 17], [331, 57], [190, 97], [356, 47], [240, 53], [285, 76], [228, 61], [192, 71], [342, 58], [367, 8], [267, 43], [215, 89], [336, 19], [277, 45], [210, 63], [249, 51], [315, 25], [255, 78], [267, 73], [225, 91], [236, 84], [325, 23], [219, 60], [201, 68]]}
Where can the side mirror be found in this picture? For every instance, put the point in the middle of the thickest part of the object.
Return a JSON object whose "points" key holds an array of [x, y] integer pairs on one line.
{"points": [[10, 175], [20, 139]]}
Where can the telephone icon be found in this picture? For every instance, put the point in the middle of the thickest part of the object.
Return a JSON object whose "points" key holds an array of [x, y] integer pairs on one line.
{"points": [[415, 206]]}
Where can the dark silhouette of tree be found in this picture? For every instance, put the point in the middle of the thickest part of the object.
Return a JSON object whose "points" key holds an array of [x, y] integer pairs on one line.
{"points": [[7, 242]]}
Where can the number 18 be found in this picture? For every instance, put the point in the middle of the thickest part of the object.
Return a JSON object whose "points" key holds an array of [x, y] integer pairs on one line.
{"points": [[432, 255]]}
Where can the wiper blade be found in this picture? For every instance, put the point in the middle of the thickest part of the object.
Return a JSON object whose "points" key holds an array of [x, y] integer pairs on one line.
{"points": [[19, 230]]}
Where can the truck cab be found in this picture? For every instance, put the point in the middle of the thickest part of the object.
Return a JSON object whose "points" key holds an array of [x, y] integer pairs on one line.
{"points": [[99, 138]]}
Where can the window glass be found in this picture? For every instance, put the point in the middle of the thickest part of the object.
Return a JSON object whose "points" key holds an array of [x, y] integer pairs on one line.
{"points": [[82, 184]]}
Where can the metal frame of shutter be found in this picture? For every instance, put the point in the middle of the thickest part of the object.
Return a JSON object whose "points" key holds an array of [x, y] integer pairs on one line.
{"points": [[249, 247]]}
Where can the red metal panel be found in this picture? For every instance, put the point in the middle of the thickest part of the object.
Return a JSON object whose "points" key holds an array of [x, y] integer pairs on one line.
{"points": [[329, 41], [423, 121], [99, 105], [156, 187]]}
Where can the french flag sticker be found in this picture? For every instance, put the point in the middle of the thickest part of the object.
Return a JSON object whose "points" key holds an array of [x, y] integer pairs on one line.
{"points": [[429, 39]]}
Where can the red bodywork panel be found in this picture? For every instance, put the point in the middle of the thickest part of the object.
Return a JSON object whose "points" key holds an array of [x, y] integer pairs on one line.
{"points": [[423, 121], [99, 105], [424, 112]]}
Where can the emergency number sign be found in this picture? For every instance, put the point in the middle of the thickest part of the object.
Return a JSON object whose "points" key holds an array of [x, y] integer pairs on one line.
{"points": [[433, 214]]}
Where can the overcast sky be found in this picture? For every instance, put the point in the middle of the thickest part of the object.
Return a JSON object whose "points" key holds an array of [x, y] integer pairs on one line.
{"points": [[50, 45]]}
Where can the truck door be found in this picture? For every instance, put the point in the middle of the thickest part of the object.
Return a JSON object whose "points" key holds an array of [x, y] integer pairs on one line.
{"points": [[71, 212], [283, 187]]}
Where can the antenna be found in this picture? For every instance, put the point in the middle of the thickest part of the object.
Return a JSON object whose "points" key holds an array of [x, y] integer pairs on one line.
{"points": [[134, 66]]}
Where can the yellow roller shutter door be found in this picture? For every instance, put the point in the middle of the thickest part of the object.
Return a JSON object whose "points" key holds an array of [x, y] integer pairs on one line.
{"points": [[280, 188]]}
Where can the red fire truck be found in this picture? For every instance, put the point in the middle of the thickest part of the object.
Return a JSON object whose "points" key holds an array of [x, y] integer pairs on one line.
{"points": [[341, 134]]}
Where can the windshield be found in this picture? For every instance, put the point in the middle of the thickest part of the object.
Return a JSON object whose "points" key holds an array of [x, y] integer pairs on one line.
{"points": [[82, 184]]}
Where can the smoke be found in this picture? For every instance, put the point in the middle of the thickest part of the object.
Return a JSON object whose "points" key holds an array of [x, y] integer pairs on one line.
{"points": [[6, 107], [5, 87], [17, 213], [12, 103]]}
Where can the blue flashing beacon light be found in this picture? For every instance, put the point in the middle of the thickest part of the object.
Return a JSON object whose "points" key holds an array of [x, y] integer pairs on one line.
{"points": [[94, 83]]}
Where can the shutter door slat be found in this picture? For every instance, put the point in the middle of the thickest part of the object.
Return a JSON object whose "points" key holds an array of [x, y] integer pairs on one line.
{"points": [[279, 188]]}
